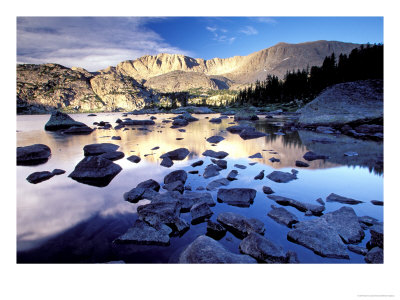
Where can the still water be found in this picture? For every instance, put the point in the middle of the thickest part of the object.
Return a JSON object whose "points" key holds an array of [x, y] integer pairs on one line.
{"points": [[63, 221]]}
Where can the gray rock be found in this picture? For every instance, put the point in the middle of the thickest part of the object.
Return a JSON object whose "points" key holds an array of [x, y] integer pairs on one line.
{"points": [[134, 158], [143, 234], [343, 103], [273, 159], [248, 134], [166, 162], [215, 230], [376, 236], [245, 115], [267, 190], [257, 155], [310, 156], [180, 175], [345, 222], [33, 155], [357, 249], [186, 116], [377, 202], [301, 206], [223, 164], [116, 137], [336, 198], [239, 225], [179, 122], [232, 175], [217, 183], [177, 154], [95, 170], [219, 154], [194, 172], [301, 164], [320, 237], [134, 195], [282, 216], [58, 172], [215, 120], [197, 163], [59, 120], [262, 249], [37, 177], [374, 256], [155, 148], [78, 130], [239, 166], [113, 156], [242, 197], [211, 171], [281, 177], [367, 220], [259, 176], [200, 211], [174, 186], [320, 201], [97, 149], [138, 122], [238, 128], [149, 184], [206, 250], [188, 199], [215, 139]]}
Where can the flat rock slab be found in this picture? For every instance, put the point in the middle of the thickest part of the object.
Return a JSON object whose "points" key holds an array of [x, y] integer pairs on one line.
{"points": [[37, 177], [262, 249], [313, 156], [257, 155], [239, 225], [215, 139], [95, 170], [345, 221], [242, 197], [200, 212], [217, 183], [113, 156], [239, 166], [178, 175], [282, 216], [177, 154], [281, 177], [336, 198], [320, 237], [301, 206], [33, 155], [214, 154], [189, 198], [59, 120], [134, 158], [208, 251], [211, 171], [97, 149], [143, 234]]}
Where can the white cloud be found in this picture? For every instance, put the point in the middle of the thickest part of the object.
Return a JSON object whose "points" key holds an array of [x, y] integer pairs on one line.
{"points": [[220, 35], [212, 29], [91, 43], [249, 30], [267, 20]]}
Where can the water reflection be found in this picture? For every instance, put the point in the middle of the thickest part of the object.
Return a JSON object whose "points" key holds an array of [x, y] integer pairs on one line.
{"points": [[56, 214]]}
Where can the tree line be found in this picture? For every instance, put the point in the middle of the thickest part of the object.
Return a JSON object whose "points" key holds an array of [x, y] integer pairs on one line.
{"points": [[365, 62]]}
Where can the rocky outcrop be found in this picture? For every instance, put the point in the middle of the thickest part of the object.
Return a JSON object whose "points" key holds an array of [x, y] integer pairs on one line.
{"points": [[59, 121], [350, 102]]}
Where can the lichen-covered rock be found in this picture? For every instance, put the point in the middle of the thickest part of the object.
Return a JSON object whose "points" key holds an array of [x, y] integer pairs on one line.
{"points": [[208, 251]]}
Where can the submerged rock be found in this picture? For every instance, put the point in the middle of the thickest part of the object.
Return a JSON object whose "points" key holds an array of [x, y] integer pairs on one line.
{"points": [[336, 198], [177, 154], [282, 216], [313, 156], [143, 234], [262, 249], [223, 164], [97, 149], [219, 154], [33, 155], [59, 120], [37, 177], [242, 197], [301, 206], [206, 250], [95, 170], [281, 177], [217, 183], [215, 139], [239, 225]]}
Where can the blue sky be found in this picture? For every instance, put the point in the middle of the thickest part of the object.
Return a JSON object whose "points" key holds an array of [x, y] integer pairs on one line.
{"points": [[95, 43]]}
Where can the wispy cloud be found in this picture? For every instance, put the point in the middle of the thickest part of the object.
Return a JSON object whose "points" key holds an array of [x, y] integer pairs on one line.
{"points": [[212, 29], [267, 20], [220, 35], [91, 43], [249, 30]]}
